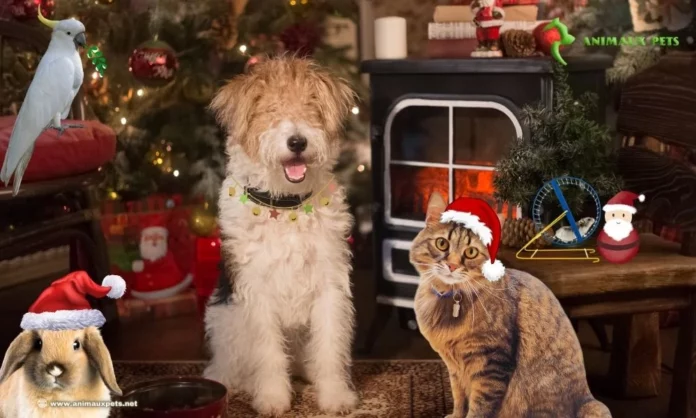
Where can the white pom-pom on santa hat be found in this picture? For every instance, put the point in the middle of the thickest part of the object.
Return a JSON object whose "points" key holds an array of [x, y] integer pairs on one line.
{"points": [[641, 198], [64, 304], [117, 285], [477, 216], [493, 271]]}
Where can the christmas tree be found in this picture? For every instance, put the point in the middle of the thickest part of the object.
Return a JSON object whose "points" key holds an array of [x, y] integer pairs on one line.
{"points": [[563, 141], [166, 59]]}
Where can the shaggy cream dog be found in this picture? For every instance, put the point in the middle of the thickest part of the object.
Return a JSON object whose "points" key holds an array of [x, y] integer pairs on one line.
{"points": [[284, 305]]}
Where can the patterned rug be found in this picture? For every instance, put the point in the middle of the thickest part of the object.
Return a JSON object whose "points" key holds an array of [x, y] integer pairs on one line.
{"points": [[387, 389]]}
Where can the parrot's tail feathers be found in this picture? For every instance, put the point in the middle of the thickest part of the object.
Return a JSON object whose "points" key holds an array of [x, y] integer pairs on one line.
{"points": [[5, 173], [21, 167]]}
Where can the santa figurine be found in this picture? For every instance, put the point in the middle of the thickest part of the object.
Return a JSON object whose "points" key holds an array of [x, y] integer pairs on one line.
{"points": [[157, 275], [618, 242], [488, 18]]}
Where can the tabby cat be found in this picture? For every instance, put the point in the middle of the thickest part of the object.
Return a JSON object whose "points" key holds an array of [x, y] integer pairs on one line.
{"points": [[510, 350]]}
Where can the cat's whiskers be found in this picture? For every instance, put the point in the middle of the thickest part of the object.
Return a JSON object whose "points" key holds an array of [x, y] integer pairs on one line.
{"points": [[491, 292], [478, 298]]}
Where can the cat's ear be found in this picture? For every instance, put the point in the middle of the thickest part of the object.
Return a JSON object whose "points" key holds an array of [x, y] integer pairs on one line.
{"points": [[436, 205]]}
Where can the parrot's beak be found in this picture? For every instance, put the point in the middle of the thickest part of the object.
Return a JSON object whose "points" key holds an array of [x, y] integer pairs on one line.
{"points": [[80, 40]]}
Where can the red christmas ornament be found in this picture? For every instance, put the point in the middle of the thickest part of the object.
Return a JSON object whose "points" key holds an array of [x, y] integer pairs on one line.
{"points": [[545, 38], [25, 10], [154, 63], [301, 39]]}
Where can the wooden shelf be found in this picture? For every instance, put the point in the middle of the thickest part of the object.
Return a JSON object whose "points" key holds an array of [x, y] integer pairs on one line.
{"points": [[539, 65]]}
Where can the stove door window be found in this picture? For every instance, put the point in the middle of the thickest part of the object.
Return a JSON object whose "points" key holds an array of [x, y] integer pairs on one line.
{"points": [[449, 146]]}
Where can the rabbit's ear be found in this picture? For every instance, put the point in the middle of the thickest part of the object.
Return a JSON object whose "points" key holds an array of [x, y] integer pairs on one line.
{"points": [[100, 358], [16, 354]]}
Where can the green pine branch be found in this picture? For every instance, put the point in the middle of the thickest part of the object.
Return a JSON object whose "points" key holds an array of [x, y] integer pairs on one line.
{"points": [[563, 141]]}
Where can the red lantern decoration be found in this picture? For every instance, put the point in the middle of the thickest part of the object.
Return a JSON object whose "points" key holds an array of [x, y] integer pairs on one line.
{"points": [[153, 63], [25, 10]]}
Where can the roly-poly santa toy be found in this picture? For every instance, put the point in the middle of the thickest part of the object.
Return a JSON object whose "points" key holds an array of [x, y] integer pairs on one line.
{"points": [[157, 275], [488, 18], [618, 242]]}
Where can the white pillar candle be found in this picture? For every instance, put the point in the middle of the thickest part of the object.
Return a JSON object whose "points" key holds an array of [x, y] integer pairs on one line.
{"points": [[390, 38]]}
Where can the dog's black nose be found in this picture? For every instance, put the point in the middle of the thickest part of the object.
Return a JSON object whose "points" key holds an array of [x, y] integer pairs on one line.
{"points": [[55, 369], [297, 143]]}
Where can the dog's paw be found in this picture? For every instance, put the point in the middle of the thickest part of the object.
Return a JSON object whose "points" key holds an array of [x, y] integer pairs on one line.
{"points": [[273, 401], [336, 398]]}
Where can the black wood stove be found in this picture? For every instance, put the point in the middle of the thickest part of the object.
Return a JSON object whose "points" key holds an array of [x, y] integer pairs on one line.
{"points": [[441, 125]]}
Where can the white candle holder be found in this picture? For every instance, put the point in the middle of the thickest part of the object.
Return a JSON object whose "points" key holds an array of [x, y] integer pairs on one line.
{"points": [[390, 38]]}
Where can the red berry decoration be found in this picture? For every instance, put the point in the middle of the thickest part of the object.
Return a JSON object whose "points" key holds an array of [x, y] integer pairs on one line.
{"points": [[301, 39], [545, 38], [153, 63], [25, 10]]}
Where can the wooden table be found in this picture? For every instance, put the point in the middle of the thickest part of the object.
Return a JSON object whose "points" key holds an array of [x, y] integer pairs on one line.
{"points": [[658, 279]]}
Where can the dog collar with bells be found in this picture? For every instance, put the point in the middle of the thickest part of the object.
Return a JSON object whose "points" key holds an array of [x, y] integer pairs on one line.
{"points": [[288, 207]]}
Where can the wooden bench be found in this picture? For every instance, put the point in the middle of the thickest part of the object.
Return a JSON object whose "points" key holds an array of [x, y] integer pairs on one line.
{"points": [[658, 279]]}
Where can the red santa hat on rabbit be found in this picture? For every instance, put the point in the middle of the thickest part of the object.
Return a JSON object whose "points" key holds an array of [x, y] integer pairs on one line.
{"points": [[64, 304], [477, 216]]}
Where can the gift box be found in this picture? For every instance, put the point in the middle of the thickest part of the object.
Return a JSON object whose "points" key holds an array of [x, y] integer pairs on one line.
{"points": [[183, 304]]}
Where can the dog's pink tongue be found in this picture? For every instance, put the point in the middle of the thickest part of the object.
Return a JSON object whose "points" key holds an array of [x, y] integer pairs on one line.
{"points": [[295, 171]]}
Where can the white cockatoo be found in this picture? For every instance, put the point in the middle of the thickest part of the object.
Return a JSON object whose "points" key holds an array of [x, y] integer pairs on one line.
{"points": [[49, 97]]}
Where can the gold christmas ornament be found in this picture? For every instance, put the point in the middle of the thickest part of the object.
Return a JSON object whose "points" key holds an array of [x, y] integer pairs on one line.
{"points": [[202, 221]]}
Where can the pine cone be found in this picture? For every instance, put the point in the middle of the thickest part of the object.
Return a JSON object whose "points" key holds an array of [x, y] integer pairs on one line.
{"points": [[518, 43], [517, 232]]}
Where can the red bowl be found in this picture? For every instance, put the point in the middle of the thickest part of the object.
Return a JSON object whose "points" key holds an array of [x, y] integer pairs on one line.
{"points": [[176, 397]]}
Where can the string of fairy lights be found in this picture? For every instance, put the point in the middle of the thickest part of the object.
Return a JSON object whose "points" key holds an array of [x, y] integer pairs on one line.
{"points": [[160, 154]]}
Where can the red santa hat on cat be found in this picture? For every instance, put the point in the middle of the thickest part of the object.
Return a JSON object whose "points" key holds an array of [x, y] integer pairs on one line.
{"points": [[64, 304], [477, 216]]}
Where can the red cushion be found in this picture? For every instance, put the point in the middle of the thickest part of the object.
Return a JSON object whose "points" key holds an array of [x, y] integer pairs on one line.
{"points": [[77, 151]]}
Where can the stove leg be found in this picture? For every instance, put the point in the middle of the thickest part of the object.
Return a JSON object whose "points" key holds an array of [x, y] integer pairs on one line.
{"points": [[379, 322]]}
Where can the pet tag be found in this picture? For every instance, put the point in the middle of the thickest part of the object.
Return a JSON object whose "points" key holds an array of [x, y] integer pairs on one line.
{"points": [[457, 307]]}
